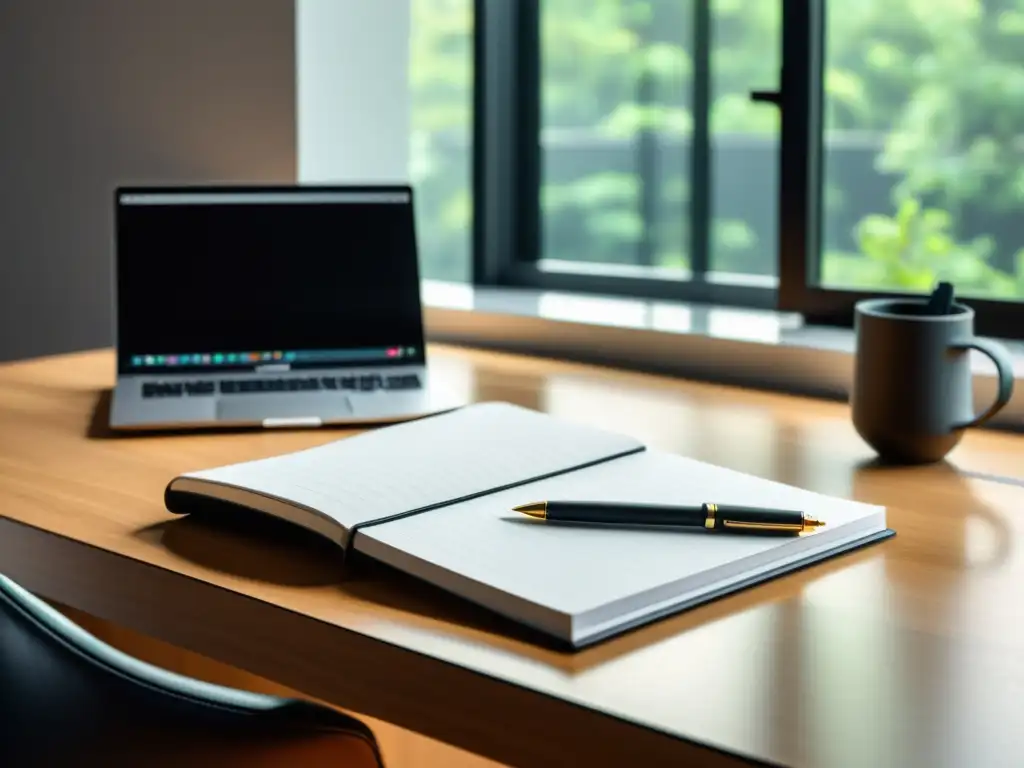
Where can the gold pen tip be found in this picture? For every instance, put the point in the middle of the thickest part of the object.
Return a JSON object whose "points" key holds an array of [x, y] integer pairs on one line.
{"points": [[811, 523], [537, 509]]}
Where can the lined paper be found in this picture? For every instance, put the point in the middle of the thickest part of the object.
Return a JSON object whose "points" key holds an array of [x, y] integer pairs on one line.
{"points": [[556, 576], [423, 463]]}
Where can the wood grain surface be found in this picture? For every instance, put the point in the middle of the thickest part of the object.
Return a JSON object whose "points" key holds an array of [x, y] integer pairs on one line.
{"points": [[907, 653]]}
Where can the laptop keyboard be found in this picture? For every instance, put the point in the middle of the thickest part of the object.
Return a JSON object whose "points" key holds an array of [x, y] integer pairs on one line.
{"points": [[250, 385]]}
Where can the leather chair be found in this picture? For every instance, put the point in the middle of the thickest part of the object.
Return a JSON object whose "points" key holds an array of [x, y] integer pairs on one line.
{"points": [[68, 699]]}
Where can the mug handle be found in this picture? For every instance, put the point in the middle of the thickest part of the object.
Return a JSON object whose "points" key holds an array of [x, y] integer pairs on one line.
{"points": [[999, 355]]}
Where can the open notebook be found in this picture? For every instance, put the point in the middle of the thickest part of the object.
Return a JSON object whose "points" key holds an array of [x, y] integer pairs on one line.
{"points": [[434, 497]]}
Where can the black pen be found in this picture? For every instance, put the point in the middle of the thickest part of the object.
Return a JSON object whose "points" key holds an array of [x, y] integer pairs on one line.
{"points": [[711, 517]]}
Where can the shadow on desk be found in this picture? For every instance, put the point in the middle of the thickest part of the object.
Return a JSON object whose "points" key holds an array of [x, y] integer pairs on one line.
{"points": [[250, 546], [99, 424], [260, 548]]}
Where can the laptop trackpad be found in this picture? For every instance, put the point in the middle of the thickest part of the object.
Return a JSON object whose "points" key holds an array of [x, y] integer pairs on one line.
{"points": [[260, 407]]}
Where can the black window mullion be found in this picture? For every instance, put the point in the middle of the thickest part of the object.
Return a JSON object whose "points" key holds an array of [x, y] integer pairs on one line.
{"points": [[528, 110], [800, 98], [506, 137], [700, 145]]}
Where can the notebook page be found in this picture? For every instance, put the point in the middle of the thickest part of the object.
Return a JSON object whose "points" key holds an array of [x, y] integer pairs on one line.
{"points": [[422, 463], [509, 562]]}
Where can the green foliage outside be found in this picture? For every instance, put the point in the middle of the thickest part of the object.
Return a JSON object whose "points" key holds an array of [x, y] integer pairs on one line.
{"points": [[943, 80], [936, 85], [917, 247]]}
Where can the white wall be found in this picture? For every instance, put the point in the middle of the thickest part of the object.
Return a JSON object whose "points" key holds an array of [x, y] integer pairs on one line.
{"points": [[94, 93], [353, 90]]}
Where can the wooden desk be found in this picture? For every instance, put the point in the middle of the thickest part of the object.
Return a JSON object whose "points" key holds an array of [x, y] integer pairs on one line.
{"points": [[906, 653]]}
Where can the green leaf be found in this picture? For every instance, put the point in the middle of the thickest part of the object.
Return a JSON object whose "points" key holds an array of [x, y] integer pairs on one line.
{"points": [[906, 213], [846, 87], [935, 245], [936, 220], [879, 238], [911, 278]]}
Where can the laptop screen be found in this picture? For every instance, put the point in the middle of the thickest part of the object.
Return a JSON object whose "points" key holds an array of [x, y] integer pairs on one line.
{"points": [[235, 278]]}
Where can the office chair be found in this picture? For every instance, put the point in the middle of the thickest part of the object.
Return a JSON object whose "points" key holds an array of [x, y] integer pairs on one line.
{"points": [[68, 699]]}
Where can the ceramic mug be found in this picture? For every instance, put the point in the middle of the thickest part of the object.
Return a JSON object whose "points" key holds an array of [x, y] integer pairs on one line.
{"points": [[912, 395]]}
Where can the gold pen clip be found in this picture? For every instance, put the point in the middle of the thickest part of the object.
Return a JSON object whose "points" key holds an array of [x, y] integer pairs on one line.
{"points": [[808, 524], [763, 526]]}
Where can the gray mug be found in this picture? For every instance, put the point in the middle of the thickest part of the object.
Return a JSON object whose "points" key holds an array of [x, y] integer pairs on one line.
{"points": [[912, 392]]}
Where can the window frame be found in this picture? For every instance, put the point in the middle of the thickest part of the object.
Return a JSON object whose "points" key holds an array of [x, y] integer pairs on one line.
{"points": [[507, 173], [507, 178], [801, 177]]}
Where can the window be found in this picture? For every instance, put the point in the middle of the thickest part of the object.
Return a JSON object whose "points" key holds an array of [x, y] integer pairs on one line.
{"points": [[629, 89], [798, 154], [441, 88], [912, 116], [596, 128], [745, 46], [924, 146], [616, 97]]}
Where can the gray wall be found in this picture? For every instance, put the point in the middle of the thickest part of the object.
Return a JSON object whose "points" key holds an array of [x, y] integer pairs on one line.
{"points": [[97, 93]]}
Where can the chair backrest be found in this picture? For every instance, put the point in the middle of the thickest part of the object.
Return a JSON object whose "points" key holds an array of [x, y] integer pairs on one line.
{"points": [[66, 698]]}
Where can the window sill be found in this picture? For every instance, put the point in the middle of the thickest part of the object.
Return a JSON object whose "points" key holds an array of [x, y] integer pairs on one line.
{"points": [[752, 348]]}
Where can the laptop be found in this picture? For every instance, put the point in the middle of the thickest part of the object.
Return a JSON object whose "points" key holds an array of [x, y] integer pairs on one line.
{"points": [[268, 307]]}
